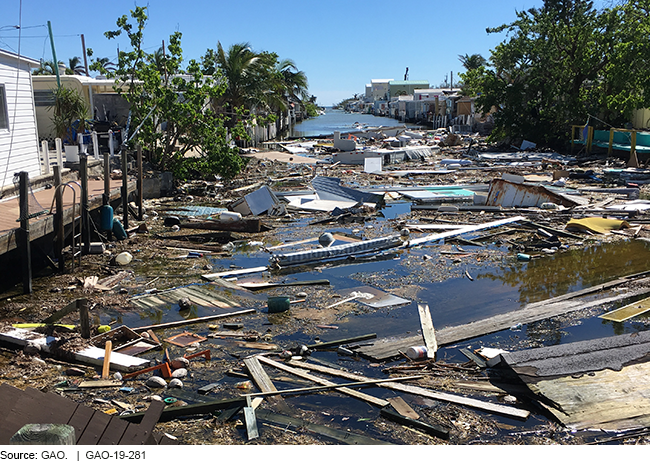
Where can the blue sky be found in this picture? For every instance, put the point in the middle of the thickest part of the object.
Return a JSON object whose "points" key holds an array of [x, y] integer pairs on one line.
{"points": [[340, 44]]}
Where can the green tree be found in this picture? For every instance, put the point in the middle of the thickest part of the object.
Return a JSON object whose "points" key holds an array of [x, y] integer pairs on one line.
{"points": [[46, 68], [560, 64], [75, 67], [176, 126], [472, 62]]}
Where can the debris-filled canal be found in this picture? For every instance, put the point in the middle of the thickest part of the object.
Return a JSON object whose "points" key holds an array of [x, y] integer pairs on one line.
{"points": [[449, 319]]}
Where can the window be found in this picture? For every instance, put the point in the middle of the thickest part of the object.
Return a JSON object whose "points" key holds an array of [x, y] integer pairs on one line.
{"points": [[4, 114], [43, 98]]}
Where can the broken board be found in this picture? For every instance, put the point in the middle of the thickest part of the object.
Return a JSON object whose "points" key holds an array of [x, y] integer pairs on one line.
{"points": [[200, 295], [630, 311], [91, 355]]}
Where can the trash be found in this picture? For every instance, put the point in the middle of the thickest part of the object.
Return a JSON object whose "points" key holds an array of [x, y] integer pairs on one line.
{"points": [[416, 352], [244, 385], [599, 225], [156, 382], [230, 216], [118, 230], [326, 239], [175, 383], [185, 339], [124, 258], [278, 304], [523, 257]]}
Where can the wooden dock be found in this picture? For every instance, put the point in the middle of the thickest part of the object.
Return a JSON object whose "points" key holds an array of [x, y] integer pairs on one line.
{"points": [[92, 427], [43, 225]]}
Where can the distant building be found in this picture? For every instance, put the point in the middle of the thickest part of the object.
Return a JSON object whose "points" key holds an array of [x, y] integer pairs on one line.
{"points": [[405, 88], [379, 89], [19, 149]]}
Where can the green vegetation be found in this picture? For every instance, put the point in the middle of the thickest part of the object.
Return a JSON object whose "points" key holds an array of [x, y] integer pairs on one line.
{"points": [[562, 63], [69, 109], [189, 117]]}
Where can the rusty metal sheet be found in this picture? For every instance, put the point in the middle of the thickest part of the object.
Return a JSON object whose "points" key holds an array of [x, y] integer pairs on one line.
{"points": [[509, 194]]}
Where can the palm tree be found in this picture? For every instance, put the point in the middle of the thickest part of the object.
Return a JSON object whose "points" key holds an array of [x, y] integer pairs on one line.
{"points": [[472, 62], [239, 67], [106, 64], [75, 67], [46, 68]]}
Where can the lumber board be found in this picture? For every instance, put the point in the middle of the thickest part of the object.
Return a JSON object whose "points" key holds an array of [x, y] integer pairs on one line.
{"points": [[345, 437], [80, 419], [435, 430], [188, 322], [95, 428], [418, 391], [388, 348], [140, 433], [629, 311], [261, 378], [303, 374], [428, 332], [114, 432], [403, 408], [234, 272], [606, 400]]}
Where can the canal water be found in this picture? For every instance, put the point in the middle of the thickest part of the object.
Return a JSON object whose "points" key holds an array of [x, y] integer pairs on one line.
{"points": [[339, 120]]}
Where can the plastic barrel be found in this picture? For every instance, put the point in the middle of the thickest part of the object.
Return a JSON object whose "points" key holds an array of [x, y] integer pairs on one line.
{"points": [[118, 230], [106, 217]]}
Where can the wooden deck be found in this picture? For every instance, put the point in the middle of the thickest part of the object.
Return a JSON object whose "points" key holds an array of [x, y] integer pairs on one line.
{"points": [[92, 427], [44, 224]]}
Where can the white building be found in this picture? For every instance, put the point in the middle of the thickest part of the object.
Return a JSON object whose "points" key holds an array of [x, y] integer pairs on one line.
{"points": [[380, 89], [19, 149]]}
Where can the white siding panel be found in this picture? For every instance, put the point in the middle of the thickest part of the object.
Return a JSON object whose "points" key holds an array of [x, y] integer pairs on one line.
{"points": [[19, 149]]}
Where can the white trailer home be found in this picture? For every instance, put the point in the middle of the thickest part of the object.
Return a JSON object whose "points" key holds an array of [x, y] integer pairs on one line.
{"points": [[19, 149]]}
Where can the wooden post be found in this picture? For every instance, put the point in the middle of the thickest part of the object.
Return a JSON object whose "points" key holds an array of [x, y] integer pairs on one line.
{"points": [[125, 188], [107, 180], [107, 359], [85, 214], [24, 240], [59, 152], [46, 157], [58, 217], [140, 184], [84, 318]]}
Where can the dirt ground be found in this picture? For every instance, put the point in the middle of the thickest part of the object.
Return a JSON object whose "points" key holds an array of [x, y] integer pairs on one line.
{"points": [[158, 265]]}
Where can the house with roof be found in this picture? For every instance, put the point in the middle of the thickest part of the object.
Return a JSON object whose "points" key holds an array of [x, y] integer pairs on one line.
{"points": [[19, 149], [405, 88]]}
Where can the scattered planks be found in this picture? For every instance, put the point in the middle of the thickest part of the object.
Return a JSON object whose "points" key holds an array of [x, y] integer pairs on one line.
{"points": [[303, 374], [466, 401], [388, 348], [428, 332]]}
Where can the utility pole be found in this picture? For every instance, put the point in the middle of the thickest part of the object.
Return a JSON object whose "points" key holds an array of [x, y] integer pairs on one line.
{"points": [[56, 62], [83, 46]]}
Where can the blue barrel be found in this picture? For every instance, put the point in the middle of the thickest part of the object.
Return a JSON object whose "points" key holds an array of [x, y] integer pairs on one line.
{"points": [[106, 217], [118, 230]]}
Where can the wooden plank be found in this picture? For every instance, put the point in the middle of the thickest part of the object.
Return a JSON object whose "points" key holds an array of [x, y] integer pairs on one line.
{"points": [[95, 428], [345, 437], [138, 434], [234, 272], [434, 430], [108, 348], [428, 332], [265, 384], [80, 419], [187, 322], [630, 311], [606, 400], [468, 229], [350, 392], [93, 384], [34, 406], [56, 316], [113, 432], [391, 347], [403, 408], [465, 401]]}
